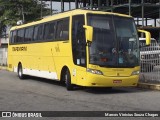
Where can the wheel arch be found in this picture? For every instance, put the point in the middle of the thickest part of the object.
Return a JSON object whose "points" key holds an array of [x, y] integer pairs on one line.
{"points": [[19, 63]]}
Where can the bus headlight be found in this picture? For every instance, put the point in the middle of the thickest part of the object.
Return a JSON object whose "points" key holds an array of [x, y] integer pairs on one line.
{"points": [[94, 71], [135, 72]]}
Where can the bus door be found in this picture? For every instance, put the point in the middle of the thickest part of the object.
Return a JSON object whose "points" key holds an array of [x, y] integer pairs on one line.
{"points": [[79, 47]]}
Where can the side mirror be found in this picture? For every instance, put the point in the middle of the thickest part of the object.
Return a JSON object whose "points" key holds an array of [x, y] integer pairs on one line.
{"points": [[148, 36], [88, 32]]}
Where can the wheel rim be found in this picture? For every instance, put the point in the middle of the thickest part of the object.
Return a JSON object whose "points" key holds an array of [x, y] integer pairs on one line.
{"points": [[20, 72], [67, 80]]}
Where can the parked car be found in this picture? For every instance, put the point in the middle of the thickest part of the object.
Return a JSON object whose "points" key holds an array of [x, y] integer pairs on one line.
{"points": [[149, 55]]}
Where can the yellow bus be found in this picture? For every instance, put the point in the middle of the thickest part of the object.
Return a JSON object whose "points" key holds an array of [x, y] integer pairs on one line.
{"points": [[78, 47]]}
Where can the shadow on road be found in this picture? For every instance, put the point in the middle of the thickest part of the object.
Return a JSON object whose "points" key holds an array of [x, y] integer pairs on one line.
{"points": [[55, 82], [115, 90], [104, 90]]}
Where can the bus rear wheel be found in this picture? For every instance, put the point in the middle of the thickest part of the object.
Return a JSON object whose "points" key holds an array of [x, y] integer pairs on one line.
{"points": [[20, 72], [67, 79]]}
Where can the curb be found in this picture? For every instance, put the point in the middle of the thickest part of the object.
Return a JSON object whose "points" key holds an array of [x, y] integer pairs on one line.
{"points": [[149, 86]]}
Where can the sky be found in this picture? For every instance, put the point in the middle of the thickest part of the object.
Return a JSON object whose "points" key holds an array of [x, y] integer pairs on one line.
{"points": [[57, 6]]}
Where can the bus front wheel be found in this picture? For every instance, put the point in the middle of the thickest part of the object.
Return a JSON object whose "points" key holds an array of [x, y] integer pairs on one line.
{"points": [[67, 79], [20, 72]]}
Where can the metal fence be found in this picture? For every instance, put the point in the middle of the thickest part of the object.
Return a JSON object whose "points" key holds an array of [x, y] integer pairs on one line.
{"points": [[150, 63]]}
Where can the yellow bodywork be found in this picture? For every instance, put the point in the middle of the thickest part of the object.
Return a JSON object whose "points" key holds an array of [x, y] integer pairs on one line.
{"points": [[51, 57], [122, 75]]}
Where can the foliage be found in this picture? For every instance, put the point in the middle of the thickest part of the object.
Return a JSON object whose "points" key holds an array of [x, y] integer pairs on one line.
{"points": [[13, 10]]}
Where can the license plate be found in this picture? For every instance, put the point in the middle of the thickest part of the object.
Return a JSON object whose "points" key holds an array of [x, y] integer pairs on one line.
{"points": [[117, 81]]}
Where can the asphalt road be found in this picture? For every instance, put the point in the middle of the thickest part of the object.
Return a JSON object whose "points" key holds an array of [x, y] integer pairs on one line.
{"points": [[36, 94]]}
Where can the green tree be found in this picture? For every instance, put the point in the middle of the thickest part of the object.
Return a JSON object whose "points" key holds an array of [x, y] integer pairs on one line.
{"points": [[13, 10]]}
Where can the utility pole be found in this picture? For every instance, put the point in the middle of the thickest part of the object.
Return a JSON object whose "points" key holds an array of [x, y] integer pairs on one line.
{"points": [[129, 7], [76, 4], [23, 19], [91, 4], [142, 15], [41, 10], [51, 6], [99, 4]]}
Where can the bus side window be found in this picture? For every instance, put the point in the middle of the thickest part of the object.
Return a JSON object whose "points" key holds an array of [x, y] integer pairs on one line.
{"points": [[52, 31], [40, 32], [28, 34], [20, 35], [63, 29], [49, 31], [46, 31], [14, 37], [11, 37], [35, 36], [78, 41]]}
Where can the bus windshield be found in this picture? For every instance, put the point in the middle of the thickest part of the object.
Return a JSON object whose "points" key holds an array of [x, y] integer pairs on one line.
{"points": [[115, 41]]}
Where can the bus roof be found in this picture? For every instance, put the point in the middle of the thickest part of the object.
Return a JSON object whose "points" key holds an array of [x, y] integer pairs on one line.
{"points": [[66, 14]]}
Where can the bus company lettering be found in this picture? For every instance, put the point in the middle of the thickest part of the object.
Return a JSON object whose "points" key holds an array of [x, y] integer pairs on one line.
{"points": [[19, 48]]}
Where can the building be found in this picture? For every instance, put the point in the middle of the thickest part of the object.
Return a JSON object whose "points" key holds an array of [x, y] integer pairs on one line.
{"points": [[3, 51]]}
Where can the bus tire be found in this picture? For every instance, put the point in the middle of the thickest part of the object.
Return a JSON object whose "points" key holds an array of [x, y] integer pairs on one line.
{"points": [[20, 72], [67, 79]]}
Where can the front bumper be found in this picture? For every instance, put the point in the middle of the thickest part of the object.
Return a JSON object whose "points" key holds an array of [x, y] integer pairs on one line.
{"points": [[105, 81]]}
